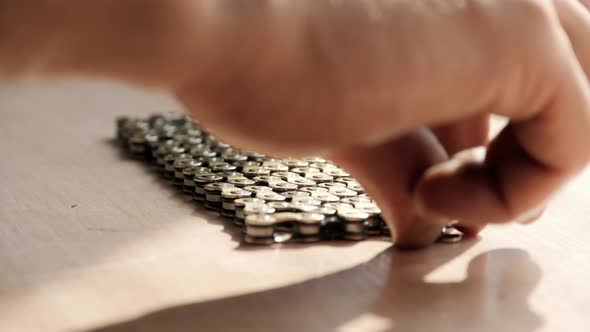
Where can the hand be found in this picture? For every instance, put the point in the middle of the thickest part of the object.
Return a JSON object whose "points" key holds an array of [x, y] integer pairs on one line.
{"points": [[391, 89]]}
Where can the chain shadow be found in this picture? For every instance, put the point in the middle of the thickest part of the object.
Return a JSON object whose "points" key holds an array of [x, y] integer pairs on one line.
{"points": [[390, 287]]}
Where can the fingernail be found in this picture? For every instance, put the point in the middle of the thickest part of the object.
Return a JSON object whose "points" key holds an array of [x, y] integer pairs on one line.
{"points": [[530, 216], [444, 168], [474, 155], [431, 192]]}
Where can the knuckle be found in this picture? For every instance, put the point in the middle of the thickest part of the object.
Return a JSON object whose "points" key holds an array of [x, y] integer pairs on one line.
{"points": [[531, 11], [530, 23]]}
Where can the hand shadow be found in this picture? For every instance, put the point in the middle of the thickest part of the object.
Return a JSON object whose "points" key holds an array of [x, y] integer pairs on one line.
{"points": [[390, 288]]}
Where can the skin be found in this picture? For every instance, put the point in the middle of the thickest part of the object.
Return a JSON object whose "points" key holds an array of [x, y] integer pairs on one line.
{"points": [[395, 91]]}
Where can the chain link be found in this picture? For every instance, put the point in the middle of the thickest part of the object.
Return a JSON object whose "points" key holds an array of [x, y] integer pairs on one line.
{"points": [[272, 200]]}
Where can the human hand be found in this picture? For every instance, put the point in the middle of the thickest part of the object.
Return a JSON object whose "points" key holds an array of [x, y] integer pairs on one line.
{"points": [[391, 89]]}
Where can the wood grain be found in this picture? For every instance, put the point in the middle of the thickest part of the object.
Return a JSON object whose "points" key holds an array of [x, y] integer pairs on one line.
{"points": [[90, 241]]}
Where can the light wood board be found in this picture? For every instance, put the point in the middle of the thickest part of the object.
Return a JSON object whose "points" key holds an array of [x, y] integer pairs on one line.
{"points": [[90, 241]]}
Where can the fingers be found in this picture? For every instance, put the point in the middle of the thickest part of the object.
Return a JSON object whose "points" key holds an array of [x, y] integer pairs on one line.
{"points": [[533, 156], [464, 134], [389, 172]]}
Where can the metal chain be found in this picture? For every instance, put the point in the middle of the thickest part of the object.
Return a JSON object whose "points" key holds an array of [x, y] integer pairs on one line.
{"points": [[272, 200]]}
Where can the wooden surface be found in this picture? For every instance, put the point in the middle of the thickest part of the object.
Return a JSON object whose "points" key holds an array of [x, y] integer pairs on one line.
{"points": [[90, 241]]}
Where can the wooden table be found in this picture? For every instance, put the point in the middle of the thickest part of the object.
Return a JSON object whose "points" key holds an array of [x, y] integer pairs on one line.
{"points": [[90, 241]]}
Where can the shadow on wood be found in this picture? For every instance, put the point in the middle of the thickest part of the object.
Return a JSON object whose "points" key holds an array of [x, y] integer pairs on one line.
{"points": [[389, 293]]}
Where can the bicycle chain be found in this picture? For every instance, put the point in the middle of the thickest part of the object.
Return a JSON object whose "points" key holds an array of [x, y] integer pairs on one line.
{"points": [[272, 200]]}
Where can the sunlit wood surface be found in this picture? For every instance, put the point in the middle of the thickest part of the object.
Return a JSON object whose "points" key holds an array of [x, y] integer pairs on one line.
{"points": [[90, 241]]}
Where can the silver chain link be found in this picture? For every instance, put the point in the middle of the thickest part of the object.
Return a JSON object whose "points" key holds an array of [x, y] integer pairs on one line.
{"points": [[272, 200]]}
